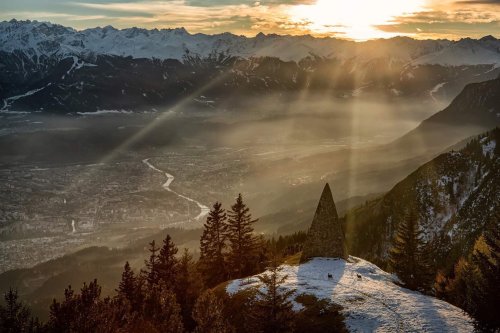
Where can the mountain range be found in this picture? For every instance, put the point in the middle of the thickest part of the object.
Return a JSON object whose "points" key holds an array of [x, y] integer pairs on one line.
{"points": [[52, 68]]}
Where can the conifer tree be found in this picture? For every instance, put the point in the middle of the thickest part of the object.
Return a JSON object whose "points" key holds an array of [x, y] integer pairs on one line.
{"points": [[273, 308], [15, 317], [188, 287], [167, 262], [151, 272], [408, 257], [484, 299], [128, 287], [209, 316], [458, 287], [212, 245], [84, 312], [162, 310], [242, 242]]}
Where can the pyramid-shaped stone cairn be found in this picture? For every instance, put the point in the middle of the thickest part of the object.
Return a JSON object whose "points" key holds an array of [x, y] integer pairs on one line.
{"points": [[325, 237]]}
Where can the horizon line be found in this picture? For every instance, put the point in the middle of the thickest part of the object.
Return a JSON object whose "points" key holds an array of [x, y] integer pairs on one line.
{"points": [[318, 36]]}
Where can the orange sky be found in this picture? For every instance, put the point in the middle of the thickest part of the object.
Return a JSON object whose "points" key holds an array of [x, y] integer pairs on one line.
{"points": [[353, 19]]}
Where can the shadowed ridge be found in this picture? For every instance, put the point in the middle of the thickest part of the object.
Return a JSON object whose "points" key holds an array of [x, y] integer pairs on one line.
{"points": [[325, 237]]}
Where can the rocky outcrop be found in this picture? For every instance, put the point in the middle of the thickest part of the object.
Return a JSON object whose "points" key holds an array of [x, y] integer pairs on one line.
{"points": [[325, 237]]}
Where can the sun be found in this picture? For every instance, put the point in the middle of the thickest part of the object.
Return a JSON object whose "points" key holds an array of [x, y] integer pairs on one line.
{"points": [[353, 19]]}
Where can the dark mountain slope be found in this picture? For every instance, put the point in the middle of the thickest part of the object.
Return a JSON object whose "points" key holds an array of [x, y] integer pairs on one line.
{"points": [[357, 172], [455, 195], [475, 109]]}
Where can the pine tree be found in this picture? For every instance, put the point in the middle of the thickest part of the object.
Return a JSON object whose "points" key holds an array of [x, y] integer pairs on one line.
{"points": [[151, 272], [484, 300], [188, 287], [62, 314], [128, 288], [458, 287], [242, 242], [15, 317], [408, 257], [208, 315], [273, 308], [212, 245], [162, 310], [84, 312], [167, 262]]}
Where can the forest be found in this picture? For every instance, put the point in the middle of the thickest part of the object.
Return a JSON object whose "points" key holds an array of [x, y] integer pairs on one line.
{"points": [[175, 293]]}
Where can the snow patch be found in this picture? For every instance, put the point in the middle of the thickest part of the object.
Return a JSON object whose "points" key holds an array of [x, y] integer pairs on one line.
{"points": [[104, 112], [372, 303], [489, 147]]}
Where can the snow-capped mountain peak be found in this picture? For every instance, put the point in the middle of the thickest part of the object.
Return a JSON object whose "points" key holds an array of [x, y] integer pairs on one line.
{"points": [[45, 38]]}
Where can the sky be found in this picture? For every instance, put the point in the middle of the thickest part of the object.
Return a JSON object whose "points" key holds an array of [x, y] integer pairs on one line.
{"points": [[353, 19]]}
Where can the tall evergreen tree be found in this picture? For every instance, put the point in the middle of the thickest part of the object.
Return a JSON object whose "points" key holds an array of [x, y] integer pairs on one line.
{"points": [[409, 257], [151, 272], [167, 262], [128, 288], [84, 312], [242, 243], [274, 309], [212, 245], [457, 288], [484, 300], [188, 287], [162, 310], [15, 317], [209, 316]]}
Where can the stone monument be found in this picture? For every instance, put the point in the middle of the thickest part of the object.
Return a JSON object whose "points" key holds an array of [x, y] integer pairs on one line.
{"points": [[325, 237]]}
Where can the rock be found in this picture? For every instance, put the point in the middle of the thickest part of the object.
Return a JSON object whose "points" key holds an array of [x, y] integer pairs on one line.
{"points": [[325, 237]]}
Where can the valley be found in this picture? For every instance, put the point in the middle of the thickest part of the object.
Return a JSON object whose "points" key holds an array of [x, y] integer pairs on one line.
{"points": [[107, 179], [190, 165]]}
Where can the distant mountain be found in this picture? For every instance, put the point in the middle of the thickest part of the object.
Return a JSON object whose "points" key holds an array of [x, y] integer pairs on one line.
{"points": [[358, 172], [474, 110], [46, 39], [455, 196], [58, 69]]}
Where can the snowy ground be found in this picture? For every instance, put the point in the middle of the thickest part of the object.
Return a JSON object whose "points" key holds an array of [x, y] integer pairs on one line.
{"points": [[372, 303]]}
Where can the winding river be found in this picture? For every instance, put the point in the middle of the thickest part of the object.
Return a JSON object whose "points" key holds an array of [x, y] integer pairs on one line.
{"points": [[204, 210]]}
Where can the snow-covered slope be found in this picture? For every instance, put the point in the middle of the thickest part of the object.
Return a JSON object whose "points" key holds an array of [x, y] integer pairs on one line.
{"points": [[464, 52], [44, 38], [372, 303]]}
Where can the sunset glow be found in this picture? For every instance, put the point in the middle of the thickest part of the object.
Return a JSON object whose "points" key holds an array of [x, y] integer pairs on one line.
{"points": [[356, 19]]}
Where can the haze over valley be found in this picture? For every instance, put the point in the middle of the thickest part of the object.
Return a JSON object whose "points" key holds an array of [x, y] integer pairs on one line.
{"points": [[110, 138]]}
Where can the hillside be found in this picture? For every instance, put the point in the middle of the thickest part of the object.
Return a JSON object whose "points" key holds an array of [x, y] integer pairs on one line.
{"points": [[475, 109], [455, 195], [358, 172], [40, 284], [372, 303]]}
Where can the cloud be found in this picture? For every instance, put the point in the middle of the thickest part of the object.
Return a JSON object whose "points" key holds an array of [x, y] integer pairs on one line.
{"points": [[443, 18], [479, 2], [247, 18], [452, 20]]}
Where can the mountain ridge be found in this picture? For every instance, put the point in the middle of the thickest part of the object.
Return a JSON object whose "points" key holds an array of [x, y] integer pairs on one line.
{"points": [[47, 38], [52, 68], [453, 196]]}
